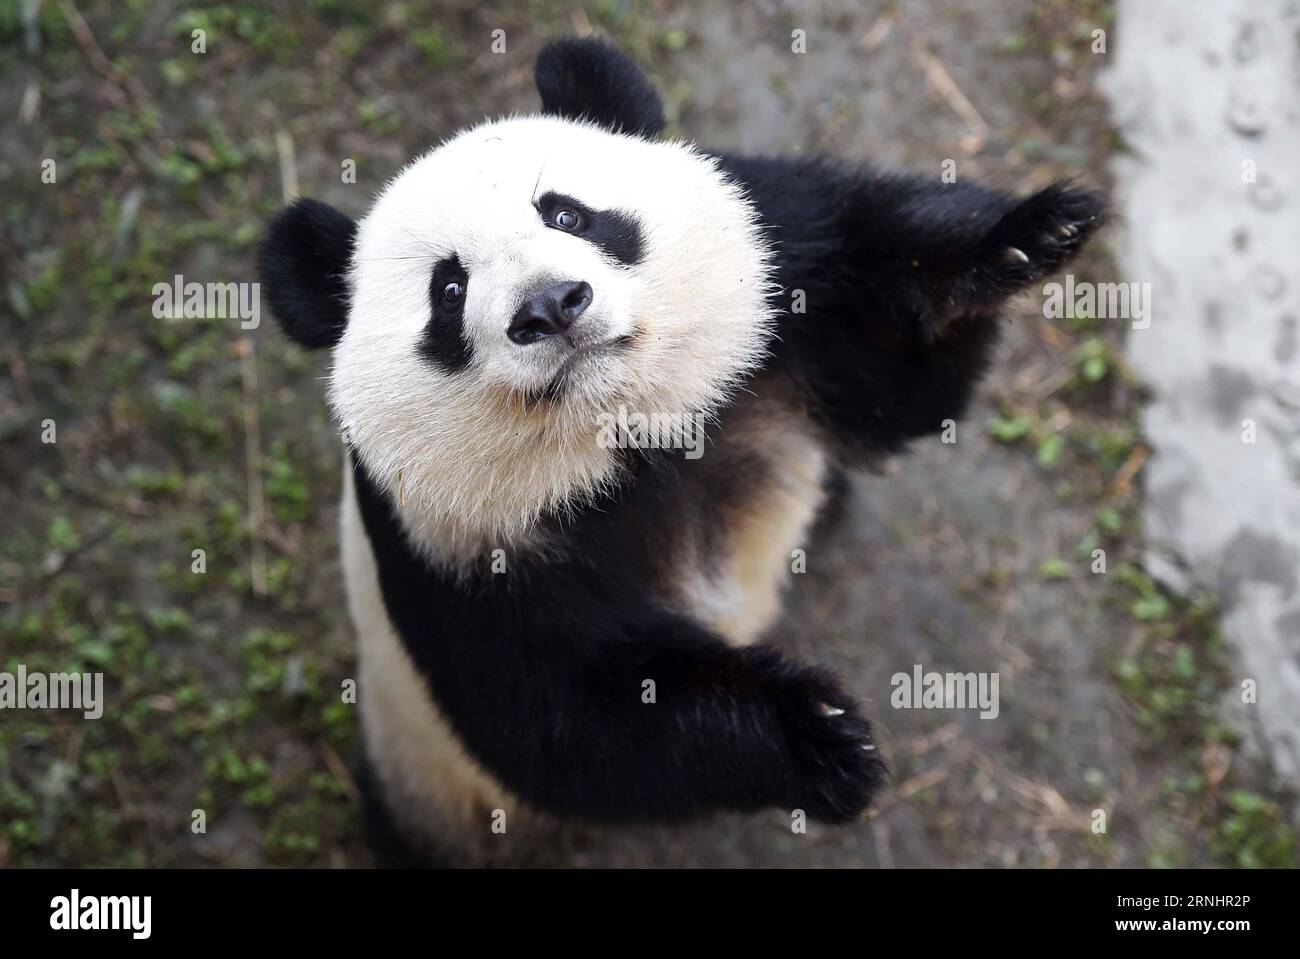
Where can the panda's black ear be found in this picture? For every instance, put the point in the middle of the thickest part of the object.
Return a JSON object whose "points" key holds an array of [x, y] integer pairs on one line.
{"points": [[303, 263], [586, 79]]}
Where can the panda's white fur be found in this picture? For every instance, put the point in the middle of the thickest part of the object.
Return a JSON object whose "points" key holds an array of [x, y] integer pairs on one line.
{"points": [[697, 303]]}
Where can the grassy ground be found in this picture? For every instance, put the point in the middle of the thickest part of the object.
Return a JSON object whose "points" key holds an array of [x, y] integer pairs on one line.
{"points": [[223, 686]]}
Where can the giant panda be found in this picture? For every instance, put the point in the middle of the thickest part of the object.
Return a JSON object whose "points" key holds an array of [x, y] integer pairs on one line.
{"points": [[555, 627]]}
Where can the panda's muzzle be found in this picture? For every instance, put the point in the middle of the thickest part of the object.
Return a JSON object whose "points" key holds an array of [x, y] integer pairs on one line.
{"points": [[550, 313]]}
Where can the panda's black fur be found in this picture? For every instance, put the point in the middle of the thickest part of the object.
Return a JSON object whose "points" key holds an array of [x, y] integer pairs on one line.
{"points": [[896, 349], [588, 80], [540, 673]]}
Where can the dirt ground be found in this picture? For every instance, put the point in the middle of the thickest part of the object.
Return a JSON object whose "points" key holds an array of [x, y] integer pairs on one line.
{"points": [[223, 686]]}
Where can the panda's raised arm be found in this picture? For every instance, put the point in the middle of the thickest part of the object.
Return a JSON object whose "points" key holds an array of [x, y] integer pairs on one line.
{"points": [[890, 285], [587, 708]]}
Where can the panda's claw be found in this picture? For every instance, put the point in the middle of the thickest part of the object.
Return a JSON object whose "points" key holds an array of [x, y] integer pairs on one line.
{"points": [[834, 769]]}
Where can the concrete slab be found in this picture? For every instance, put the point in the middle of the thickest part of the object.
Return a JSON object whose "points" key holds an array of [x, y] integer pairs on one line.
{"points": [[1205, 92]]}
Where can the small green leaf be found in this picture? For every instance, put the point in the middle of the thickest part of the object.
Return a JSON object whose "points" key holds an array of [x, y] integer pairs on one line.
{"points": [[1150, 608], [1054, 568], [1246, 802], [1009, 429], [1109, 519], [63, 535], [1094, 368], [1049, 450]]}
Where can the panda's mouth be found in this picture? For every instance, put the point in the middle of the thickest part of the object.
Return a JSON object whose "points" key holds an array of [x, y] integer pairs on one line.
{"points": [[559, 382]]}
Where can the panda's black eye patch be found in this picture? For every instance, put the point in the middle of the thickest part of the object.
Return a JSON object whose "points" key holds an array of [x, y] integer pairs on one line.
{"points": [[443, 342], [614, 232]]}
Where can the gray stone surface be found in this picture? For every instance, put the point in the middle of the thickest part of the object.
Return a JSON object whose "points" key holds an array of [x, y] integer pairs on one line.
{"points": [[1207, 94]]}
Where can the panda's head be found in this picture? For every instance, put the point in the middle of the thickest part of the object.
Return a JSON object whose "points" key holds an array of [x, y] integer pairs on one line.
{"points": [[514, 285]]}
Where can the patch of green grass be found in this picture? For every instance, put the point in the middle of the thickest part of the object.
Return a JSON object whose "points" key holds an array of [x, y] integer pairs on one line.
{"points": [[1175, 676], [287, 488], [1174, 683], [438, 48], [51, 26], [44, 291], [1254, 832]]}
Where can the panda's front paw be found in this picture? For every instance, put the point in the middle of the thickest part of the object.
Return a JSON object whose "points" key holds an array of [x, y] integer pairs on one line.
{"points": [[1040, 233], [835, 768]]}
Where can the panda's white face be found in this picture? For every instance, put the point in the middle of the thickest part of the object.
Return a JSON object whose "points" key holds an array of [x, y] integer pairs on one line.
{"points": [[516, 282]]}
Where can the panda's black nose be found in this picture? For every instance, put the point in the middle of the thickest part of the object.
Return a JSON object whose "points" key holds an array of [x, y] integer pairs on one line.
{"points": [[550, 312]]}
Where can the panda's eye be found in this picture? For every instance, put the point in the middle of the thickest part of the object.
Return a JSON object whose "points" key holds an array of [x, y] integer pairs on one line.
{"points": [[566, 220], [453, 292]]}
